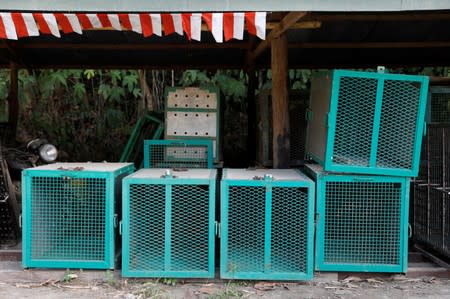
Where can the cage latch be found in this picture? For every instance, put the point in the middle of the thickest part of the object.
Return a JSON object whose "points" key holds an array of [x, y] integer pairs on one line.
{"points": [[217, 228]]}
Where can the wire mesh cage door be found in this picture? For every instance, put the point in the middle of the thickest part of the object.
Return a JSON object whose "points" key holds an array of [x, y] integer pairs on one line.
{"points": [[368, 123], [189, 153], [438, 110], [266, 229], [362, 223], [69, 215], [168, 224]]}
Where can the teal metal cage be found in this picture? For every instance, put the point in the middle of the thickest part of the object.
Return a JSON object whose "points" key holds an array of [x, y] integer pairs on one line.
{"points": [[369, 123], [267, 225], [362, 222], [178, 153], [168, 224], [69, 214]]}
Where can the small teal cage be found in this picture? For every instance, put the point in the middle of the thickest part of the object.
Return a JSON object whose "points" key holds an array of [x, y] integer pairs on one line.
{"points": [[267, 225], [178, 153], [168, 224], [362, 222], [369, 123], [69, 214]]}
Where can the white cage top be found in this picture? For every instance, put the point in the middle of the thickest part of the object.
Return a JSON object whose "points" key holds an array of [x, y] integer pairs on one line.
{"points": [[82, 166], [252, 174]]}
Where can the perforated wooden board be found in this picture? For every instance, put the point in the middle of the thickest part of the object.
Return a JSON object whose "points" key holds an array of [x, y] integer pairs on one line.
{"points": [[192, 98]]}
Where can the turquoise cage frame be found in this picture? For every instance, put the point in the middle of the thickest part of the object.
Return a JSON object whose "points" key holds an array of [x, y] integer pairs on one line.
{"points": [[380, 123], [162, 249], [189, 160], [79, 177], [346, 223], [267, 183]]}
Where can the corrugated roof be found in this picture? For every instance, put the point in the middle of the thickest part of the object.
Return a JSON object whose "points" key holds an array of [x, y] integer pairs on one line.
{"points": [[223, 5]]}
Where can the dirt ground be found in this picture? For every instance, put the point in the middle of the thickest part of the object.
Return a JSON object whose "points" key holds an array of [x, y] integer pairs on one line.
{"points": [[17, 283]]}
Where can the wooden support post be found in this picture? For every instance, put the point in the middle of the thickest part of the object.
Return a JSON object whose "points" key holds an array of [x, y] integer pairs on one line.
{"points": [[13, 99], [280, 110], [251, 116]]}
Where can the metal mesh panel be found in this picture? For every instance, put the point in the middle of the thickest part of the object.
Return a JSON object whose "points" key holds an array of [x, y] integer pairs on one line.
{"points": [[147, 218], [420, 212], [189, 228], [186, 251], [435, 218], [435, 156], [297, 120], [355, 110], [68, 218], [289, 230], [178, 155], [246, 223], [440, 105], [362, 223], [9, 231], [400, 107]]}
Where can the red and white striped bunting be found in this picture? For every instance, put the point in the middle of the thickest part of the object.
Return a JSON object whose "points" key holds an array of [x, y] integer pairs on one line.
{"points": [[223, 26]]}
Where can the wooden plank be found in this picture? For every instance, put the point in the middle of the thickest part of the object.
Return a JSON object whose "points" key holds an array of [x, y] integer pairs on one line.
{"points": [[369, 45], [287, 22], [280, 110]]}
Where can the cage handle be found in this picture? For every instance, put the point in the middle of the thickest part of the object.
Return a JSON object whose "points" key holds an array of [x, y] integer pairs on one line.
{"points": [[116, 220], [20, 220], [358, 179], [120, 227], [308, 114], [410, 232]]}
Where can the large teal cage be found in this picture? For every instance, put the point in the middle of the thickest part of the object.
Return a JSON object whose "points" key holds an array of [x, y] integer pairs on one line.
{"points": [[189, 153], [438, 108], [266, 225], [168, 224], [369, 123], [362, 222], [69, 215]]}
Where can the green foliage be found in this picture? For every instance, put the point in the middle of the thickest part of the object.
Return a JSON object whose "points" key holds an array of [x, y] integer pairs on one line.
{"points": [[87, 114]]}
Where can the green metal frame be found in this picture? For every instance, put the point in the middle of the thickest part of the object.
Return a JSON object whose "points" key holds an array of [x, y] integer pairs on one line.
{"points": [[227, 268], [323, 229], [111, 181], [373, 167], [190, 162], [217, 139], [131, 144], [167, 182]]}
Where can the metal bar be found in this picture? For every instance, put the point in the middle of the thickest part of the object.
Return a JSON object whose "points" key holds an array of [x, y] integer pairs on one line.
{"points": [[168, 228], [268, 230], [376, 123]]}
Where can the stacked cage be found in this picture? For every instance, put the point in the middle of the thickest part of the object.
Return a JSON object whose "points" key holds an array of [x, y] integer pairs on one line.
{"points": [[189, 153], [168, 224], [431, 189], [193, 113], [362, 222], [267, 225], [69, 214], [365, 130]]}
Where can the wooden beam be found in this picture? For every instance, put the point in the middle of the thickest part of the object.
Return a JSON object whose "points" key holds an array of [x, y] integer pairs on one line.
{"points": [[251, 115], [129, 46], [280, 109], [368, 45], [13, 99], [299, 25], [287, 22]]}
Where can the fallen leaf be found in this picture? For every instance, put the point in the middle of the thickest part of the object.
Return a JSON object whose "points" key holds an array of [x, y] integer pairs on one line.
{"points": [[207, 290], [373, 280], [352, 278], [265, 286]]}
